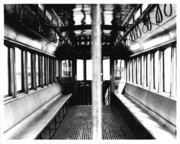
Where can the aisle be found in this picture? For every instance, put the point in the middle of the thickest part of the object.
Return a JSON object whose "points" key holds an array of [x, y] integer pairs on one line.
{"points": [[77, 124]]}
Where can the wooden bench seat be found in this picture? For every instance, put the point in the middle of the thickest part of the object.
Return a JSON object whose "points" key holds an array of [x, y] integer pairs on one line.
{"points": [[33, 125], [155, 125]]}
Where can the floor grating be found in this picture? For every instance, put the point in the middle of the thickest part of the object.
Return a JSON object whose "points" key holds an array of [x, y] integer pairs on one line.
{"points": [[77, 124]]}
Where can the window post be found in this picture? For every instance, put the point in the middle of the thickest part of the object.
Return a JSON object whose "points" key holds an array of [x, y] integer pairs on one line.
{"points": [[11, 68], [24, 72]]}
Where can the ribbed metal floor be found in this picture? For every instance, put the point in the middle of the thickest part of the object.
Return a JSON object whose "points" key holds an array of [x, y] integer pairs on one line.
{"points": [[77, 124]]}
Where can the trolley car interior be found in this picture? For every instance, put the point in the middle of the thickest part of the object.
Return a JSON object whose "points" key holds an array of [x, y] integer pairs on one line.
{"points": [[51, 74]]}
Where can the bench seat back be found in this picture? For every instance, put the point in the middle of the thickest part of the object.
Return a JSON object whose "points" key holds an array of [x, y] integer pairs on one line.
{"points": [[19, 108], [163, 106]]}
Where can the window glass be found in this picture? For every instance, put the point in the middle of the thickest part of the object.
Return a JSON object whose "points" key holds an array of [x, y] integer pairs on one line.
{"points": [[29, 69], [66, 68], [144, 79], [43, 70], [5, 70], [127, 71], [167, 68], [70, 68], [134, 70], [156, 69], [122, 70], [50, 74], [132, 66], [106, 69], [37, 70], [117, 68], [148, 70], [174, 74], [47, 69], [141, 69], [18, 69], [130, 71], [137, 70], [88, 69], [80, 70]]}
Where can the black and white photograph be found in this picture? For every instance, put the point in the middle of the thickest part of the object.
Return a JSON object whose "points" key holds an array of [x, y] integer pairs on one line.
{"points": [[90, 71]]}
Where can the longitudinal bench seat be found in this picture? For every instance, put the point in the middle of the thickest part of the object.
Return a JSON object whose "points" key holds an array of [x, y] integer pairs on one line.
{"points": [[154, 113], [33, 124]]}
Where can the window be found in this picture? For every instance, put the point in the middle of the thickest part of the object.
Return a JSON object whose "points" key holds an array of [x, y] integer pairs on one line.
{"points": [[66, 68], [88, 69], [167, 68], [127, 71], [43, 73], [29, 69], [137, 70], [50, 68], [141, 70], [122, 70], [18, 61], [70, 68], [106, 69], [133, 69], [80, 70], [116, 68], [129, 65], [5, 70], [174, 71], [47, 69], [146, 70], [156, 69], [37, 70], [130, 71], [57, 68]]}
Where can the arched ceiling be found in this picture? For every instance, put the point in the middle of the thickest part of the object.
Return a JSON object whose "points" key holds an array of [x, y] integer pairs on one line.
{"points": [[64, 30]]}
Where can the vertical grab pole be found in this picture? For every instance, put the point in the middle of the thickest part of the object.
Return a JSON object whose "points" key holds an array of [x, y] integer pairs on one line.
{"points": [[96, 83]]}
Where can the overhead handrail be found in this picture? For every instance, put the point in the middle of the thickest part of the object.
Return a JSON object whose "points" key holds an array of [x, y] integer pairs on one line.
{"points": [[159, 16], [147, 23], [134, 30], [165, 10], [137, 21]]}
